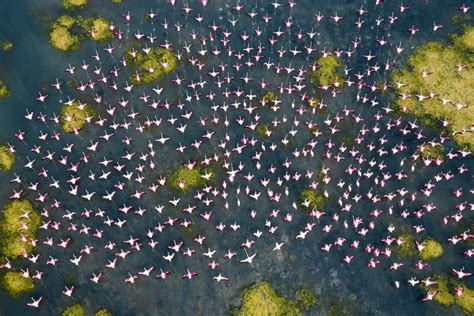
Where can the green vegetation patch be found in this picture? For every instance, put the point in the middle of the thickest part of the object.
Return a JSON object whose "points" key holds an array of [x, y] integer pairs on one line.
{"points": [[316, 200], [74, 4], [307, 298], [184, 179], [103, 312], [4, 92], [431, 152], [97, 29], [7, 46], [270, 96], [260, 299], [61, 36], [408, 248], [447, 72], [7, 159], [19, 218], [75, 116], [15, 283], [154, 65], [263, 130], [330, 71], [446, 295], [432, 250], [74, 310]]}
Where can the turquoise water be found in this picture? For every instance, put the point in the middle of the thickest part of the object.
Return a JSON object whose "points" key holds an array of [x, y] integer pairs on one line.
{"points": [[33, 65]]}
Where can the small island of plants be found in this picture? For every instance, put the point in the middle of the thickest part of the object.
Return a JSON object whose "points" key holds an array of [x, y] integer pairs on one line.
{"points": [[7, 158], [4, 92], [74, 4], [439, 81], [184, 179], [312, 199], [103, 312], [15, 283], [260, 299], [75, 116], [7, 46], [152, 66], [446, 293], [74, 310], [19, 218], [67, 32], [330, 71]]}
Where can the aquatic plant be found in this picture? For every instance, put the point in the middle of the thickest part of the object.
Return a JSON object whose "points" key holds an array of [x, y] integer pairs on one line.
{"points": [[316, 200], [60, 35], [262, 130], [75, 116], [441, 70], [103, 312], [7, 159], [184, 178], [432, 250], [15, 283], [308, 298], [446, 295], [431, 152], [313, 102], [74, 310], [19, 218], [74, 4], [97, 29], [408, 248], [4, 92], [261, 299], [152, 66], [7, 46], [329, 71], [270, 96]]}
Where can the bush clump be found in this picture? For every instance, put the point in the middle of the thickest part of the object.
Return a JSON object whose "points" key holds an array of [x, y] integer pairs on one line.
{"points": [[19, 218], [329, 71], [260, 299], [152, 66], [75, 116], [15, 283], [7, 159]]}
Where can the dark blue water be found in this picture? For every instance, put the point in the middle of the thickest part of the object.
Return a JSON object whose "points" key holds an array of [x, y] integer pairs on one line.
{"points": [[34, 64]]}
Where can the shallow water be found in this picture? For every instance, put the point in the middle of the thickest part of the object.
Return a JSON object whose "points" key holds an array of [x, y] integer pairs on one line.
{"points": [[34, 64]]}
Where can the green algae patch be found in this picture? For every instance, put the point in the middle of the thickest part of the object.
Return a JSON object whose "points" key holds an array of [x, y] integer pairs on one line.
{"points": [[430, 151], [184, 179], [7, 46], [74, 4], [75, 116], [97, 29], [152, 66], [437, 82], [4, 91], [19, 218], [270, 96], [307, 298], [61, 36], [103, 312], [330, 71], [446, 295], [263, 130], [260, 299], [15, 283], [408, 248], [312, 199], [432, 250], [74, 310], [7, 159]]}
